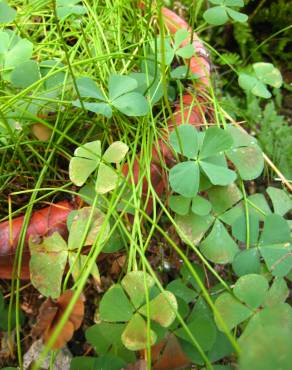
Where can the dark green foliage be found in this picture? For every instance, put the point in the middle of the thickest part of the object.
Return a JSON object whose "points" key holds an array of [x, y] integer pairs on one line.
{"points": [[221, 239], [4, 315], [275, 136]]}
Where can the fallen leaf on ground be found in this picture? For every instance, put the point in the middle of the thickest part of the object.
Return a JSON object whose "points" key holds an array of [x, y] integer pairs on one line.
{"points": [[168, 355], [51, 313]]}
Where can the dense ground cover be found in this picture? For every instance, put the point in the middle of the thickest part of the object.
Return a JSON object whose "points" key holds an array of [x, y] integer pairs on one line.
{"points": [[145, 184]]}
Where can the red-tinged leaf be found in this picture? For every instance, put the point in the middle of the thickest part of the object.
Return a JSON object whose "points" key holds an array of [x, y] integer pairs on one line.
{"points": [[43, 222], [50, 315]]}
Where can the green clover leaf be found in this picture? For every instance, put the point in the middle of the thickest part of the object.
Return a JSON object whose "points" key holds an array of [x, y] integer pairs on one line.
{"points": [[47, 264], [66, 8], [269, 326], [88, 158], [122, 95], [50, 256], [221, 13], [263, 74], [85, 161], [25, 74], [207, 157], [245, 154], [125, 303], [181, 205], [14, 50], [7, 14], [273, 244], [219, 247]]}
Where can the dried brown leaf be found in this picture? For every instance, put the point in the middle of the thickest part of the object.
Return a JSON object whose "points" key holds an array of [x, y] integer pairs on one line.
{"points": [[51, 313]]}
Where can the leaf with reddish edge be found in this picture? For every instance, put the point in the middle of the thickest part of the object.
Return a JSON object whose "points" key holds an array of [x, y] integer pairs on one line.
{"points": [[44, 221], [162, 354]]}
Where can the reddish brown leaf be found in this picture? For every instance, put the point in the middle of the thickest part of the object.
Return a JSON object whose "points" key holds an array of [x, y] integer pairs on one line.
{"points": [[169, 355], [50, 315], [48, 311], [43, 222]]}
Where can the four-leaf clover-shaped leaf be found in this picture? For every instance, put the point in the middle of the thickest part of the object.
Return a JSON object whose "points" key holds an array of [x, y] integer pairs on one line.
{"points": [[205, 153], [88, 158], [121, 95], [269, 319], [223, 11], [264, 74], [126, 303]]}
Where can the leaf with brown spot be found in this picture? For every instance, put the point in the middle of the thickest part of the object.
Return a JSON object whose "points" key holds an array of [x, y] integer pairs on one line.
{"points": [[51, 313], [47, 264], [245, 154]]}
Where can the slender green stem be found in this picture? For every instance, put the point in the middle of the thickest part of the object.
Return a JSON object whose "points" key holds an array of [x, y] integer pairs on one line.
{"points": [[247, 220]]}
